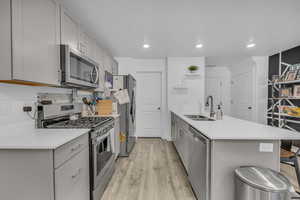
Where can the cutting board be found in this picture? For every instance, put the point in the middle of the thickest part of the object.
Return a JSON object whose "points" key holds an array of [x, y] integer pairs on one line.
{"points": [[104, 107]]}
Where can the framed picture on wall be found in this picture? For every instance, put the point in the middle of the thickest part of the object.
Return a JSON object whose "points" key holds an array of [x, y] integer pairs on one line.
{"points": [[296, 91]]}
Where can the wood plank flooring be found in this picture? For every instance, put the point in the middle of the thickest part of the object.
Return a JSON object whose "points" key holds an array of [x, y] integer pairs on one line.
{"points": [[152, 172], [290, 173]]}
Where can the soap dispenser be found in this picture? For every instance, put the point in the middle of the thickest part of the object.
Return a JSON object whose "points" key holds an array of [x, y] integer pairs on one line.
{"points": [[219, 114]]}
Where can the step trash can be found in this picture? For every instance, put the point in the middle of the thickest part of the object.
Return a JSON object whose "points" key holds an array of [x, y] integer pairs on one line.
{"points": [[257, 183]]}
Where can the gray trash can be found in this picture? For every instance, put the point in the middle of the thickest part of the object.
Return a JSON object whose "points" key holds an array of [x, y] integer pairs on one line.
{"points": [[257, 183]]}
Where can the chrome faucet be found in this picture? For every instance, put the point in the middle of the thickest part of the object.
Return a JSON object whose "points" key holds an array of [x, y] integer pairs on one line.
{"points": [[211, 104]]}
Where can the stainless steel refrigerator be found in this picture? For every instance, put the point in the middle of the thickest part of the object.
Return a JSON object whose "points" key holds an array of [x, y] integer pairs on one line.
{"points": [[127, 113]]}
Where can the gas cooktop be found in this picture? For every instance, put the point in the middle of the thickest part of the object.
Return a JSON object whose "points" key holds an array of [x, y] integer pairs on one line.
{"points": [[83, 122]]}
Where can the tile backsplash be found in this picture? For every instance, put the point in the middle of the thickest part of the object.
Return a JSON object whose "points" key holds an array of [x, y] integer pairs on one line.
{"points": [[14, 97]]}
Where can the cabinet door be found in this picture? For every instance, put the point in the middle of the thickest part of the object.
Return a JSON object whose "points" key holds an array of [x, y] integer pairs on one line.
{"points": [[115, 67], [107, 62], [72, 178], [35, 40], [99, 60], [69, 30], [5, 40], [86, 44]]}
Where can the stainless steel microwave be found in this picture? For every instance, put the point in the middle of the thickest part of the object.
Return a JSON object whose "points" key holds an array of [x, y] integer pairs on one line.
{"points": [[77, 69]]}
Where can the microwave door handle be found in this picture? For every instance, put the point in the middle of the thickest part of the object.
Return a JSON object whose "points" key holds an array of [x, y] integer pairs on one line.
{"points": [[97, 75]]}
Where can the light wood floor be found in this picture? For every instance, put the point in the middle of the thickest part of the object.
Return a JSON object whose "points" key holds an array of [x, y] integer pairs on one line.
{"points": [[152, 172], [290, 173]]}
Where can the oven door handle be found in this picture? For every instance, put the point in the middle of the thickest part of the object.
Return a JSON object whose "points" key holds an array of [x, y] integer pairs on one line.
{"points": [[98, 139]]}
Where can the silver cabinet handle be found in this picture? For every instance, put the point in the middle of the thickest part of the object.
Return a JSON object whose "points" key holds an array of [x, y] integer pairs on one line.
{"points": [[76, 148], [76, 174]]}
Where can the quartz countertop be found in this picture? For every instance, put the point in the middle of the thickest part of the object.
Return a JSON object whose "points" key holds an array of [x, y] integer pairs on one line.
{"points": [[20, 136], [230, 128]]}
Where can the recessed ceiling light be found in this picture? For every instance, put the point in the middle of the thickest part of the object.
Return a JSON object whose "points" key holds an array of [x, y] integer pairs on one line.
{"points": [[146, 46], [251, 45], [198, 46]]}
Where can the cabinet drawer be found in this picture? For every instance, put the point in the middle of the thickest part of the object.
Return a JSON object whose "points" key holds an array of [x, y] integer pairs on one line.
{"points": [[65, 152], [72, 178]]}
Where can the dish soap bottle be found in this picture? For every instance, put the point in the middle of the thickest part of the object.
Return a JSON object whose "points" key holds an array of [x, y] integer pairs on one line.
{"points": [[219, 114]]}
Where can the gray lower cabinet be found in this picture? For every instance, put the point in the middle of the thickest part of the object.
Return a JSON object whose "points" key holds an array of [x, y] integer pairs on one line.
{"points": [[72, 178], [46, 174]]}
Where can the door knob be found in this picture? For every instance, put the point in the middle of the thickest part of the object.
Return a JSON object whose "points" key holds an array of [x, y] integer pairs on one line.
{"points": [[249, 107], [158, 108]]}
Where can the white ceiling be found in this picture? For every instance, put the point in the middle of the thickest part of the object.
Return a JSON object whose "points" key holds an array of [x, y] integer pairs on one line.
{"points": [[173, 27]]}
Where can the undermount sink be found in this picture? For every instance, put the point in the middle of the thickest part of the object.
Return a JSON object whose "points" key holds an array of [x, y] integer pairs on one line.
{"points": [[199, 118]]}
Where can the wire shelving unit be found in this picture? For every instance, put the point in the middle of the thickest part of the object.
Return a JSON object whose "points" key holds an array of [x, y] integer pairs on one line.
{"points": [[274, 113]]}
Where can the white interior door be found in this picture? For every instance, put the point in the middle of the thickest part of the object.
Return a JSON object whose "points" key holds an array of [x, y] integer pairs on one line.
{"points": [[149, 97], [242, 95]]}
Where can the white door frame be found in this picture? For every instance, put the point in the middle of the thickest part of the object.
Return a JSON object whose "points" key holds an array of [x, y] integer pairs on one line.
{"points": [[252, 69], [162, 108]]}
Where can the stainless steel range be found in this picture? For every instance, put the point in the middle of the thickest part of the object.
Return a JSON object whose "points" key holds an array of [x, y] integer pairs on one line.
{"points": [[102, 164]]}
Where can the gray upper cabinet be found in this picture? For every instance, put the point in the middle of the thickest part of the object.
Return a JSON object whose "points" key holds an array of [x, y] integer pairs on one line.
{"points": [[35, 39], [31, 35], [86, 44], [108, 63], [69, 30], [115, 69], [5, 40], [99, 59]]}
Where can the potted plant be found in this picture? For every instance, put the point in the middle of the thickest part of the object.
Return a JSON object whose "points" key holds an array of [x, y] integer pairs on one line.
{"points": [[193, 68]]}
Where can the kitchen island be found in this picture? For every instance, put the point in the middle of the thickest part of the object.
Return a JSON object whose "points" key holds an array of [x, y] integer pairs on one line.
{"points": [[211, 150]]}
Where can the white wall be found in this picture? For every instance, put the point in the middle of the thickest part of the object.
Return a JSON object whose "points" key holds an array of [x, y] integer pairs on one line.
{"points": [[14, 97], [132, 66], [193, 97], [173, 70], [261, 84], [259, 67], [217, 84]]}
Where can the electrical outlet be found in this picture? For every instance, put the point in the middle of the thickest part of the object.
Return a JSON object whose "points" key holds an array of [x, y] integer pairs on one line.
{"points": [[266, 147], [27, 108]]}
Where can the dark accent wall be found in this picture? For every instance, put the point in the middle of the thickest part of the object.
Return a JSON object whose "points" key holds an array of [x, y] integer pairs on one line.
{"points": [[290, 56]]}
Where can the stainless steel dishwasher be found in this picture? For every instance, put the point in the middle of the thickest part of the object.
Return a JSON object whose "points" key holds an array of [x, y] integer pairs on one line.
{"points": [[199, 166]]}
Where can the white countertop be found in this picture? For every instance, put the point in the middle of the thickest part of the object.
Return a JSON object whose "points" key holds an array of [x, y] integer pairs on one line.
{"points": [[20, 136], [230, 128]]}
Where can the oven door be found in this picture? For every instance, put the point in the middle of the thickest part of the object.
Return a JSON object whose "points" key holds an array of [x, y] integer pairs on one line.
{"points": [[103, 157], [77, 69]]}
